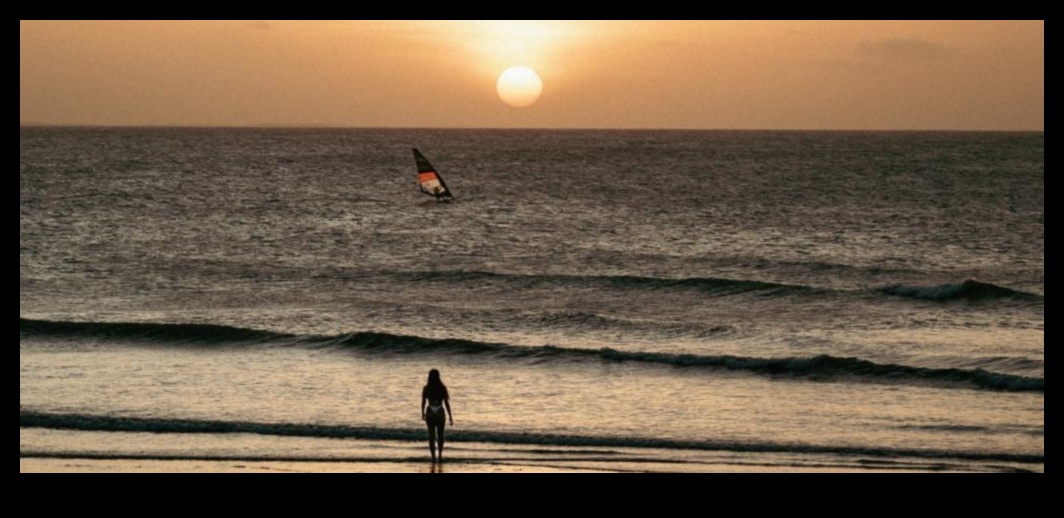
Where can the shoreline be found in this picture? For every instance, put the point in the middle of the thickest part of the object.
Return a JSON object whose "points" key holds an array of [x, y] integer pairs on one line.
{"points": [[55, 451], [76, 464]]}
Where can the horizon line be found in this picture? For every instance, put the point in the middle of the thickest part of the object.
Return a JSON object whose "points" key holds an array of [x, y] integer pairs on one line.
{"points": [[29, 125]]}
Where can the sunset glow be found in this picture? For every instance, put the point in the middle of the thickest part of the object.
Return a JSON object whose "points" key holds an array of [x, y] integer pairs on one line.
{"points": [[603, 74]]}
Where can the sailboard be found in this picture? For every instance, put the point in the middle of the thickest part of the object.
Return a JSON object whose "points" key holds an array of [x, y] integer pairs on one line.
{"points": [[430, 180]]}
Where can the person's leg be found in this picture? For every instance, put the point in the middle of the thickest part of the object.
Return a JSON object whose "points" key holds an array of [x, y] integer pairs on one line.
{"points": [[440, 434], [432, 441]]}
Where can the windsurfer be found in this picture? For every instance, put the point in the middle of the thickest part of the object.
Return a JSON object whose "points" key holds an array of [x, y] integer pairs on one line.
{"points": [[440, 195]]}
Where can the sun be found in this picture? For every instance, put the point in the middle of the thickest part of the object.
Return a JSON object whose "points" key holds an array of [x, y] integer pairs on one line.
{"points": [[519, 87]]}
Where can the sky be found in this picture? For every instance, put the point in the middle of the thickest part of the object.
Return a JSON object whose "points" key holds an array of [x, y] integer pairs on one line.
{"points": [[786, 75]]}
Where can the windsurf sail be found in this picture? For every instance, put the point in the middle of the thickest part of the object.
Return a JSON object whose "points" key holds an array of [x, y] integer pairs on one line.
{"points": [[430, 180]]}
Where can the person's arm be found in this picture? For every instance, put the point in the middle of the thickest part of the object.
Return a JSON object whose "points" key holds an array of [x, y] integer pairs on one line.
{"points": [[424, 403], [447, 403]]}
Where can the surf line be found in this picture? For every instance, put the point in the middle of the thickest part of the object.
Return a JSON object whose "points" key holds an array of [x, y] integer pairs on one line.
{"points": [[85, 423]]}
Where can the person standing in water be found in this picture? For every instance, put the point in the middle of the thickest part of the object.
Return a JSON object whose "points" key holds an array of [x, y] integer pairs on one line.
{"points": [[434, 400]]}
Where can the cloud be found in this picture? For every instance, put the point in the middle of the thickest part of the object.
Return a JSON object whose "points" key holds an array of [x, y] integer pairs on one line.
{"points": [[904, 50]]}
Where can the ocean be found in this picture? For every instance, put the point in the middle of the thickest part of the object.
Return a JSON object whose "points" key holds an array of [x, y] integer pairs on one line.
{"points": [[618, 301]]}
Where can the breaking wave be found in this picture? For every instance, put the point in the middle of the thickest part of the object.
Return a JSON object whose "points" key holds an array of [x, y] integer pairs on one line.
{"points": [[819, 368], [973, 291], [970, 290]]}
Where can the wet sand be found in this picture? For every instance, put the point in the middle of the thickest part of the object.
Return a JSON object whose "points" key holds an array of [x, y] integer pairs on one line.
{"points": [[45, 465], [191, 466], [51, 451]]}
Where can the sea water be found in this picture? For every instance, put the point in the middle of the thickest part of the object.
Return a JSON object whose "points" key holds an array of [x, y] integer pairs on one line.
{"points": [[699, 299]]}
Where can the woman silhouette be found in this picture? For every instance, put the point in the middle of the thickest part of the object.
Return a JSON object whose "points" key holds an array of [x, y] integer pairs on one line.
{"points": [[434, 400]]}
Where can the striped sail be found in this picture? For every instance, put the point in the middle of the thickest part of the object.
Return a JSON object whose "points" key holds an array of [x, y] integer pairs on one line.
{"points": [[430, 180]]}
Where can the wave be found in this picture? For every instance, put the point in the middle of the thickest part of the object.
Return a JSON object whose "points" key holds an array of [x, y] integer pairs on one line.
{"points": [[580, 321], [819, 368], [89, 423], [1002, 364], [970, 290], [973, 291], [983, 430], [151, 333], [718, 287]]}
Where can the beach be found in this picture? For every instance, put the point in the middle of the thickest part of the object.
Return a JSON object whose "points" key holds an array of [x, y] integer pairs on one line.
{"points": [[163, 453]]}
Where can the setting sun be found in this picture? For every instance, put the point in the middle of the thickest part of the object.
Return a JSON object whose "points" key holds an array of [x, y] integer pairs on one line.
{"points": [[520, 87]]}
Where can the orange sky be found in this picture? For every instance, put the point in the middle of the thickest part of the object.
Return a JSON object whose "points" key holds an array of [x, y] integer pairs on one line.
{"points": [[596, 74]]}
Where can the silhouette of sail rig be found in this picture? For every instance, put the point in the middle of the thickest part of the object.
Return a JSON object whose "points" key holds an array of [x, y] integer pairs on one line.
{"points": [[430, 180]]}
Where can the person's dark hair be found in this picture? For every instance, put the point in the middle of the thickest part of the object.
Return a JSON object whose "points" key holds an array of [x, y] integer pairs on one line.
{"points": [[435, 389]]}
